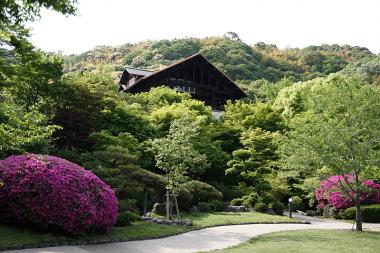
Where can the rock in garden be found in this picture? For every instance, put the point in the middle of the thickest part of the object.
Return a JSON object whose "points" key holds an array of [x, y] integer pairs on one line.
{"points": [[159, 208]]}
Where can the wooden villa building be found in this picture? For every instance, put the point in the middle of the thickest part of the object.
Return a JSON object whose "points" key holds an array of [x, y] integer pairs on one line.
{"points": [[195, 75]]}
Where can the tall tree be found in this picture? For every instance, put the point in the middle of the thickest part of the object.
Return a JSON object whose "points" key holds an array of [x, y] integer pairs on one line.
{"points": [[176, 156], [22, 131], [339, 134], [15, 49], [254, 163]]}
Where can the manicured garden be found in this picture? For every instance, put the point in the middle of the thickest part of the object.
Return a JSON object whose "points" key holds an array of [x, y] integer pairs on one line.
{"points": [[28, 237], [313, 241], [80, 162]]}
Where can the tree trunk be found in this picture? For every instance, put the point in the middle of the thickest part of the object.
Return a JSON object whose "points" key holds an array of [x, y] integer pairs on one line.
{"points": [[176, 205], [167, 205], [358, 218]]}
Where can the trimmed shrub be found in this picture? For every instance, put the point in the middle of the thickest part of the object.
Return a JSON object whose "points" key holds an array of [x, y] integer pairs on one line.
{"points": [[250, 200], [126, 218], [349, 213], [204, 207], [338, 214], [48, 191], [370, 213], [297, 203], [237, 202], [202, 192], [278, 208], [266, 198], [128, 205], [185, 199], [329, 193], [261, 207], [216, 205]]}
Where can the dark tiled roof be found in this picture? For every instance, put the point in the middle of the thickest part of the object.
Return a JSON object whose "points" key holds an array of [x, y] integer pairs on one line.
{"points": [[139, 72]]}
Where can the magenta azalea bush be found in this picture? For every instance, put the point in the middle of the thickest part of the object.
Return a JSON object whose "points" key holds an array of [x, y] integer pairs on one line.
{"points": [[329, 193], [52, 192]]}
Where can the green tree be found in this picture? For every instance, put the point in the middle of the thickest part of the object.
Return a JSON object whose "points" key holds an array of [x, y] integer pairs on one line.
{"points": [[22, 131], [255, 162], [242, 116], [14, 36], [116, 159], [338, 134], [176, 155]]}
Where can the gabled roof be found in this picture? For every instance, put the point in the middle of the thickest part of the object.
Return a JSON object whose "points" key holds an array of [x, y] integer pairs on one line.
{"points": [[139, 72], [146, 80]]}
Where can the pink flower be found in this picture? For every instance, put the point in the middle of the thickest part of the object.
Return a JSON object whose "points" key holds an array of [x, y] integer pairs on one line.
{"points": [[329, 192], [50, 191]]}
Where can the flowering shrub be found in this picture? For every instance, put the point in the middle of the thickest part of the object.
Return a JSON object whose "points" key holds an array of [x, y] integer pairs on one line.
{"points": [[329, 193], [50, 191]]}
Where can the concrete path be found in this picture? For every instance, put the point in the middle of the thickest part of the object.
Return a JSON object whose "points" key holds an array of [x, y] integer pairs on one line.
{"points": [[200, 240]]}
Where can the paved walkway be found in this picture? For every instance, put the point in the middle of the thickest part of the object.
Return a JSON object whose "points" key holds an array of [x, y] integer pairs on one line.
{"points": [[200, 240]]}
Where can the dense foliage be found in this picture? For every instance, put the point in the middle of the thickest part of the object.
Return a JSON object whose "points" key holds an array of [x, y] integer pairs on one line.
{"points": [[50, 191], [231, 55]]}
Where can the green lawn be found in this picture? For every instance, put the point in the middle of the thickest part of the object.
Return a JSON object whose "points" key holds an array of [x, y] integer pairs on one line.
{"points": [[10, 236], [313, 241], [224, 218]]}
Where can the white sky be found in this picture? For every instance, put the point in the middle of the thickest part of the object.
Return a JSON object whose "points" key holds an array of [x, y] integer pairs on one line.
{"points": [[286, 23]]}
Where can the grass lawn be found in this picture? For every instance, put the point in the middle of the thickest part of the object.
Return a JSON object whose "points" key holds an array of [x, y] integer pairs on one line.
{"points": [[313, 241], [10, 236], [224, 218]]}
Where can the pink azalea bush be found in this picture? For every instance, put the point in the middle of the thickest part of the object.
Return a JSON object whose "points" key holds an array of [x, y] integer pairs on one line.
{"points": [[52, 192], [329, 193]]}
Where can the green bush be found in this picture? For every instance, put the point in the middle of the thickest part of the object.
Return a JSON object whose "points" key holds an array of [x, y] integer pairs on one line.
{"points": [[370, 213], [264, 186], [126, 218], [261, 207], [204, 207], [185, 199], [278, 208], [297, 203], [232, 192], [266, 198], [128, 205], [250, 200], [237, 202], [311, 213], [339, 214], [193, 192], [349, 213], [216, 205]]}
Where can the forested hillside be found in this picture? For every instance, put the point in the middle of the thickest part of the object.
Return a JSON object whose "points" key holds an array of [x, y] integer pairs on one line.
{"points": [[256, 68], [241, 62]]}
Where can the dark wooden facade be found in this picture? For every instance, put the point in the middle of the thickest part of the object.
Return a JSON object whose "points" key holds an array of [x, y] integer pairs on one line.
{"points": [[195, 75]]}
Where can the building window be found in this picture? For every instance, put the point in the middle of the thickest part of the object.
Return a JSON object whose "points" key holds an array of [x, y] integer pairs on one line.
{"points": [[183, 88]]}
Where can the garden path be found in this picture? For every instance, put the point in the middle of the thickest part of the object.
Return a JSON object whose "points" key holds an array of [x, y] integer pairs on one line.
{"points": [[200, 240]]}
